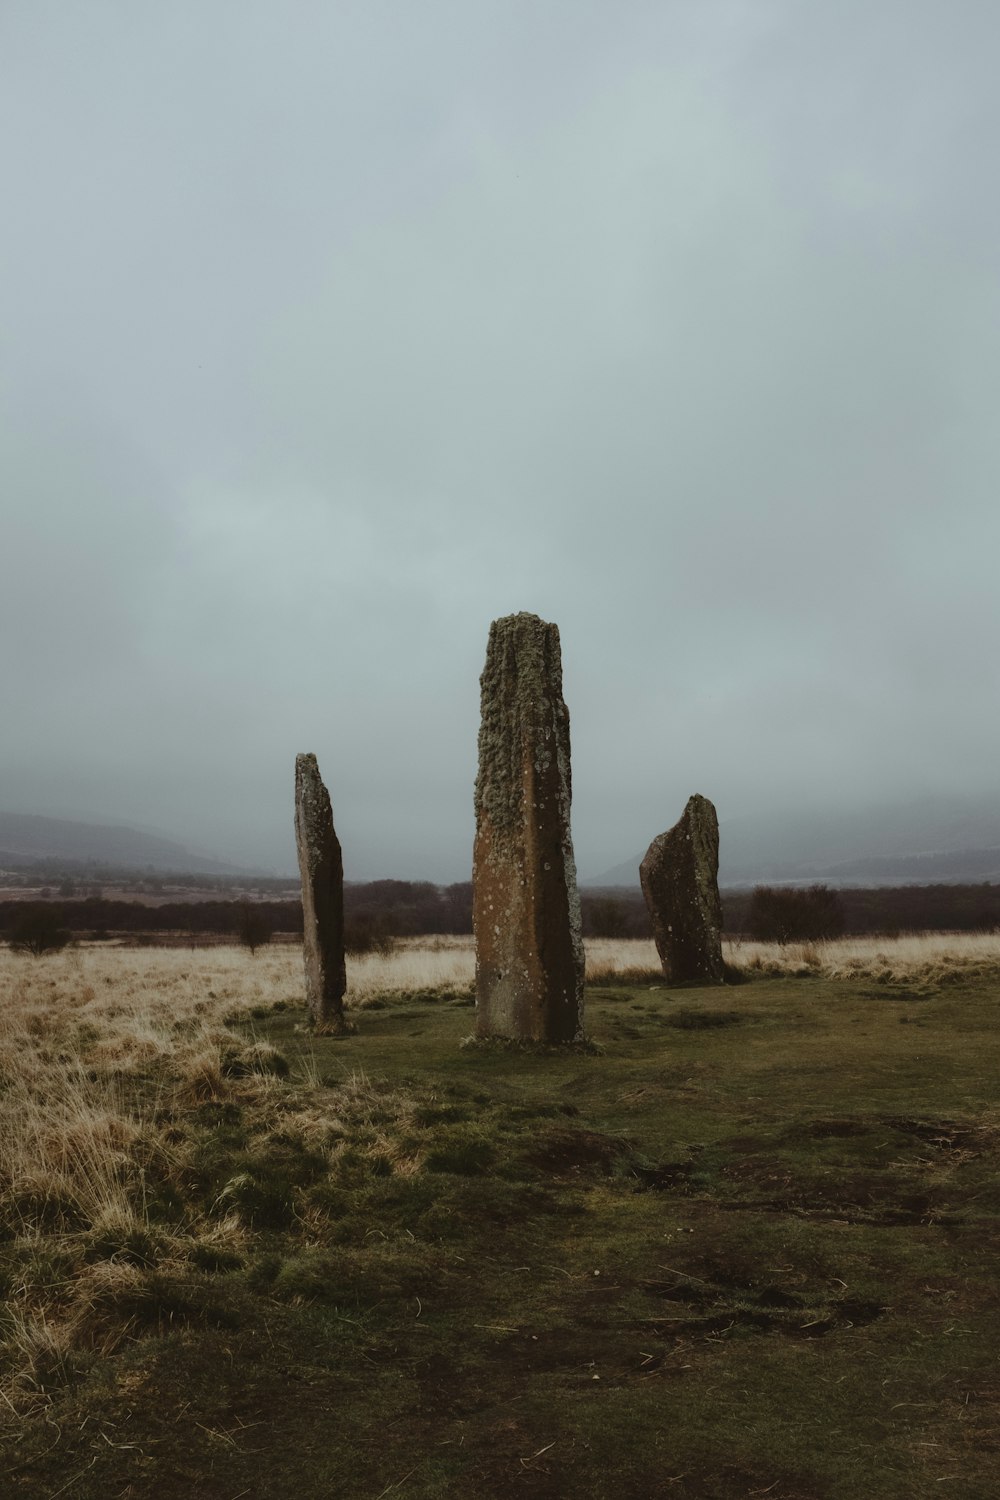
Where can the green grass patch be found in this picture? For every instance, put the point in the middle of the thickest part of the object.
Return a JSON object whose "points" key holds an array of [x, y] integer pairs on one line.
{"points": [[747, 1245]]}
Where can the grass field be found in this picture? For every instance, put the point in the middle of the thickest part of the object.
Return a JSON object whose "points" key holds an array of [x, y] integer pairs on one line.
{"points": [[748, 1245]]}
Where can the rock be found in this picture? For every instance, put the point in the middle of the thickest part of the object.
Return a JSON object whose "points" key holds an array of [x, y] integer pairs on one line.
{"points": [[322, 870], [526, 907], [680, 881]]}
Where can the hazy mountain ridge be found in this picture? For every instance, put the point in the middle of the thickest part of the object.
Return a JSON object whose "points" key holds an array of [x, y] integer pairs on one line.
{"points": [[937, 838], [29, 839]]}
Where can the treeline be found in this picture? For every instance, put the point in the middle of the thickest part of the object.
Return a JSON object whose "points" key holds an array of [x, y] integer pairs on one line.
{"points": [[396, 908], [404, 908], [96, 916], [785, 913], [886, 910]]}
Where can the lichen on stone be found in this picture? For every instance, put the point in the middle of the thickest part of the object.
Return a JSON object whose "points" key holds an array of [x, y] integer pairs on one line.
{"points": [[321, 869], [530, 964], [679, 878]]}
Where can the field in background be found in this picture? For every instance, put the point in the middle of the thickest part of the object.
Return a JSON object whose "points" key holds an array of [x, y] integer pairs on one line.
{"points": [[750, 1245], [421, 962], [158, 979]]}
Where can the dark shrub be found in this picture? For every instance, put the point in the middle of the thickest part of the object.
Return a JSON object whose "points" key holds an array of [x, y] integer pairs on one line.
{"points": [[367, 933], [36, 930], [795, 916], [253, 927]]}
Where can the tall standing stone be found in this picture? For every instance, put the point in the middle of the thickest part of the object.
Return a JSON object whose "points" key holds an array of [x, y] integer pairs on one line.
{"points": [[680, 881], [321, 867], [525, 904]]}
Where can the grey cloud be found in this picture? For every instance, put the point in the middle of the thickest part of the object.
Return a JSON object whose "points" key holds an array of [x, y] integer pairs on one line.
{"points": [[342, 330]]}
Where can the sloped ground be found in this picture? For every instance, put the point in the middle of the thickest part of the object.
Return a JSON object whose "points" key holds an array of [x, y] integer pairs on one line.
{"points": [[748, 1247]]}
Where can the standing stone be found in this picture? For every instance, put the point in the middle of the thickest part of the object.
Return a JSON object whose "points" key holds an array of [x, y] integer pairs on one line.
{"points": [[322, 870], [680, 881], [525, 904]]}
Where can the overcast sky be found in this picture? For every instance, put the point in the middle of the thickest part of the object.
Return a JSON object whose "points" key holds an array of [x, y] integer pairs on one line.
{"points": [[333, 329]]}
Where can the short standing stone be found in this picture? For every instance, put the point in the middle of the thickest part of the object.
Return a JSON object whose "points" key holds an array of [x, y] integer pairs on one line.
{"points": [[680, 881], [322, 870], [526, 907]]}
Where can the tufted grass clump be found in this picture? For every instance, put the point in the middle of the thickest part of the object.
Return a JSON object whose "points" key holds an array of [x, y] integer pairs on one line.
{"points": [[688, 1018]]}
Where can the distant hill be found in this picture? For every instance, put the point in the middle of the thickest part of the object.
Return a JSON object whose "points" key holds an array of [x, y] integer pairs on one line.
{"points": [[934, 839], [27, 840]]}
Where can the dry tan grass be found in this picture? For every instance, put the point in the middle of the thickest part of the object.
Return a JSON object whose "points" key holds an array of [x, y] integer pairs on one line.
{"points": [[98, 1050], [80, 1028], [425, 963], [926, 956], [105, 1053], [916, 956]]}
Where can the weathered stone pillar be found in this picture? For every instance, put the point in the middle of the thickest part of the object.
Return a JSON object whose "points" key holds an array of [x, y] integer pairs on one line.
{"points": [[680, 881], [525, 904], [322, 870]]}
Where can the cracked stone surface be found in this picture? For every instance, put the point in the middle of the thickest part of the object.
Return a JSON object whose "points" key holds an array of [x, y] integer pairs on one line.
{"points": [[526, 907], [680, 881], [321, 867]]}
